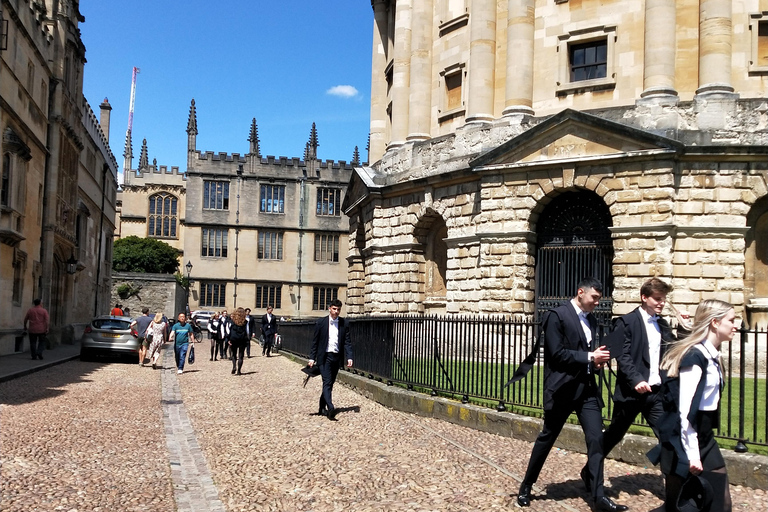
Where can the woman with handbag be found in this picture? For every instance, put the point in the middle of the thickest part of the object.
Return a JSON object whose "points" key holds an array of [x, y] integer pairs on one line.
{"points": [[692, 387], [157, 333], [213, 335], [238, 339]]}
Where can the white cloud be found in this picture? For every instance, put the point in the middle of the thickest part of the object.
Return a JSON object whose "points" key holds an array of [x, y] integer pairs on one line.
{"points": [[343, 91]]}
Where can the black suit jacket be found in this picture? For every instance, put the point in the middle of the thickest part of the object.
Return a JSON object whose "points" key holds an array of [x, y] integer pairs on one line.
{"points": [[267, 327], [319, 348], [568, 374], [634, 361]]}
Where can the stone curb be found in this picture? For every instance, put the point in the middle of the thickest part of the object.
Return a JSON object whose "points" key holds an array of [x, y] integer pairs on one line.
{"points": [[745, 469], [28, 371]]}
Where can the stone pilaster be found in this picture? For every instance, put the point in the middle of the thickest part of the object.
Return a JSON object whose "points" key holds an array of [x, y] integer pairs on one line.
{"points": [[378, 140], [659, 69], [421, 71], [715, 32], [520, 32], [401, 73], [482, 60]]}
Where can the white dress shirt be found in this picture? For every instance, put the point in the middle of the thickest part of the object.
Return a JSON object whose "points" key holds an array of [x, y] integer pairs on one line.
{"points": [[653, 332], [584, 322], [333, 335]]}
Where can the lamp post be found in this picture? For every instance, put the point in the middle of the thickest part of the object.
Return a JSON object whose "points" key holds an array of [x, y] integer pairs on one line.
{"points": [[189, 283]]}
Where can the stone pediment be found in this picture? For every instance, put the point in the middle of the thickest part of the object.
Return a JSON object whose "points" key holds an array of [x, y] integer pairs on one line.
{"points": [[361, 185], [572, 135]]}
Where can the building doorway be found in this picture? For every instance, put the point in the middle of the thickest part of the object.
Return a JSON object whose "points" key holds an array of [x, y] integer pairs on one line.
{"points": [[573, 242]]}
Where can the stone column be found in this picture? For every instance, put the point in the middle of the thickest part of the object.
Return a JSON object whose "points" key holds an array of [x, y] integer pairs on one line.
{"points": [[482, 60], [519, 87], [660, 41], [421, 71], [715, 28], [378, 81], [401, 73]]}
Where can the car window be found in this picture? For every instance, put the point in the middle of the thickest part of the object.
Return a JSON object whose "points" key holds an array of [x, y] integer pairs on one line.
{"points": [[111, 324]]}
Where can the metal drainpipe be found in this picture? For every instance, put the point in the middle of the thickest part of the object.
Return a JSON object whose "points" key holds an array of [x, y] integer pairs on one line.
{"points": [[302, 200], [237, 225], [104, 168]]}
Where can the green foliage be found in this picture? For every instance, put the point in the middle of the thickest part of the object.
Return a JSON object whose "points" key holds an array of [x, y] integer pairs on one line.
{"points": [[182, 280], [125, 291], [134, 254]]}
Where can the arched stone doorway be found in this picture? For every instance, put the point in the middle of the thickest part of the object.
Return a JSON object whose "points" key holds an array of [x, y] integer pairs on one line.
{"points": [[573, 241], [756, 265], [431, 233]]}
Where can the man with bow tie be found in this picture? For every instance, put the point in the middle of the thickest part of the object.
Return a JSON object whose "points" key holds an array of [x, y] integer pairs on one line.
{"points": [[571, 359], [641, 337]]}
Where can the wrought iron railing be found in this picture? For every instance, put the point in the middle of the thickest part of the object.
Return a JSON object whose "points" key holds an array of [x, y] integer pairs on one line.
{"points": [[473, 357]]}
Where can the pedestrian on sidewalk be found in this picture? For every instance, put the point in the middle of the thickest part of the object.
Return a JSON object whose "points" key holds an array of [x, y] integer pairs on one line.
{"points": [[250, 323], [330, 344], [116, 311], [181, 332], [159, 330], [140, 325], [224, 324], [213, 336], [268, 329], [238, 339], [692, 385], [36, 324]]}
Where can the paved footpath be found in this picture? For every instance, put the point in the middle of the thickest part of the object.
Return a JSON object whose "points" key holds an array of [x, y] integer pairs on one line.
{"points": [[117, 437]]}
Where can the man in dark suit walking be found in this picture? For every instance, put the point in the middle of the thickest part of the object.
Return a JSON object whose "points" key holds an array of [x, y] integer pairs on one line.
{"points": [[268, 329], [330, 344], [570, 362], [642, 336]]}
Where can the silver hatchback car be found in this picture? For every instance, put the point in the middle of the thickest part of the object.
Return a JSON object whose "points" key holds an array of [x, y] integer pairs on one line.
{"points": [[108, 335]]}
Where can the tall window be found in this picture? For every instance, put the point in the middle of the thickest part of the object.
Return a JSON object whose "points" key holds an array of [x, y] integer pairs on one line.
{"points": [[327, 248], [322, 297], [761, 59], [453, 91], [214, 243], [329, 202], [268, 294], [588, 60], [272, 199], [163, 211], [19, 269], [270, 245], [216, 195], [213, 294], [5, 185]]}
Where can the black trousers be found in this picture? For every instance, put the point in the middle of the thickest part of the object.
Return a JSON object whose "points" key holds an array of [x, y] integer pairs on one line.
{"points": [[328, 371], [238, 351], [36, 344], [269, 340], [588, 411], [624, 414]]}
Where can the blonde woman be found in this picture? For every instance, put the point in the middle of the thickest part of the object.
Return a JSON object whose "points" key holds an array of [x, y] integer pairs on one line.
{"points": [[693, 384], [159, 330]]}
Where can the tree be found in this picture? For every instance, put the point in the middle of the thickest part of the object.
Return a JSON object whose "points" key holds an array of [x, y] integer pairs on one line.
{"points": [[134, 254]]}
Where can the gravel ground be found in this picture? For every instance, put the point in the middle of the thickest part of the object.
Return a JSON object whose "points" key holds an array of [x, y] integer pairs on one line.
{"points": [[89, 437]]}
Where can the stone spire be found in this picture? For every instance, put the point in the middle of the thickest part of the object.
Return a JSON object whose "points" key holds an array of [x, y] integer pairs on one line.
{"points": [[128, 152], [356, 157], [192, 122], [143, 158], [253, 138], [312, 144], [191, 136]]}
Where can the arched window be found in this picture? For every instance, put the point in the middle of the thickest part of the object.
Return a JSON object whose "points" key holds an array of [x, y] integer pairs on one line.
{"points": [[162, 215]]}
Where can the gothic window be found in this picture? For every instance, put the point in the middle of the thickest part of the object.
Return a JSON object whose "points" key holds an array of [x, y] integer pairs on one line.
{"points": [[329, 202], [5, 185], [19, 269], [214, 243], [216, 195], [327, 248], [163, 215], [270, 245], [213, 294], [323, 296], [272, 199], [268, 295]]}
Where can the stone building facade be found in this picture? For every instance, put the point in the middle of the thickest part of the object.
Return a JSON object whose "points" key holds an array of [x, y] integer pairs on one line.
{"points": [[57, 194], [257, 230], [520, 145]]}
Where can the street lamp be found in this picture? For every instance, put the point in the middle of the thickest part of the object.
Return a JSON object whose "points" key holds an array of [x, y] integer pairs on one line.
{"points": [[189, 283], [72, 264]]}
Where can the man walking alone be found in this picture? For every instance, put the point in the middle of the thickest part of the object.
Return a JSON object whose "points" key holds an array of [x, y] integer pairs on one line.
{"points": [[37, 323]]}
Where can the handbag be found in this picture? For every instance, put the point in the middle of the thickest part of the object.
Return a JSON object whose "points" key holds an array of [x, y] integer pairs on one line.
{"points": [[278, 342], [191, 358]]}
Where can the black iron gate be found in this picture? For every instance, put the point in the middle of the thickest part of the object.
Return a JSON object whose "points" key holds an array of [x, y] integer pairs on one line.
{"points": [[573, 242]]}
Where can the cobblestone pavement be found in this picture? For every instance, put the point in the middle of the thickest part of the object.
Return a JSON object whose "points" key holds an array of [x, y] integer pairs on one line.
{"points": [[92, 437]]}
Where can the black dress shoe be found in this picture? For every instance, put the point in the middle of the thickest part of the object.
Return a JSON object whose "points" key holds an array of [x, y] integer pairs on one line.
{"points": [[322, 412], [332, 414], [587, 479], [524, 496], [606, 505]]}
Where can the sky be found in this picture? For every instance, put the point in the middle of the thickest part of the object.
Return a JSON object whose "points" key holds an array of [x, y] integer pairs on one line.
{"points": [[287, 63]]}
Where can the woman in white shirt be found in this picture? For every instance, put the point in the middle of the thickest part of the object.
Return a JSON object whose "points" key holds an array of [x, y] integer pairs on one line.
{"points": [[688, 445]]}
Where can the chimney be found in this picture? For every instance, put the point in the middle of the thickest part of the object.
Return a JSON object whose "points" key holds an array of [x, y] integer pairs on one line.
{"points": [[106, 110]]}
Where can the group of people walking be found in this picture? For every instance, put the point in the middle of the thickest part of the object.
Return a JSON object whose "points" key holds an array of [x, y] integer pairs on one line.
{"points": [[231, 335], [673, 380], [152, 331]]}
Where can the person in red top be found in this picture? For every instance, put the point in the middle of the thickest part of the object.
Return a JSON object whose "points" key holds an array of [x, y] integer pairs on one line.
{"points": [[116, 311], [36, 323]]}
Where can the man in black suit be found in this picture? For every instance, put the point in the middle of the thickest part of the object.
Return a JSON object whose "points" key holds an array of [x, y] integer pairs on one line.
{"points": [[268, 329], [641, 338], [330, 344], [570, 362]]}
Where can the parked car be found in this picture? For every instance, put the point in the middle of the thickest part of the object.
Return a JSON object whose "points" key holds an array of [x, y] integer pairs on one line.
{"points": [[202, 317], [108, 335]]}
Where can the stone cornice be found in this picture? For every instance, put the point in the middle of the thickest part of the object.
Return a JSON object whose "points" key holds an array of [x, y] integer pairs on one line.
{"points": [[477, 238], [379, 250], [675, 230]]}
